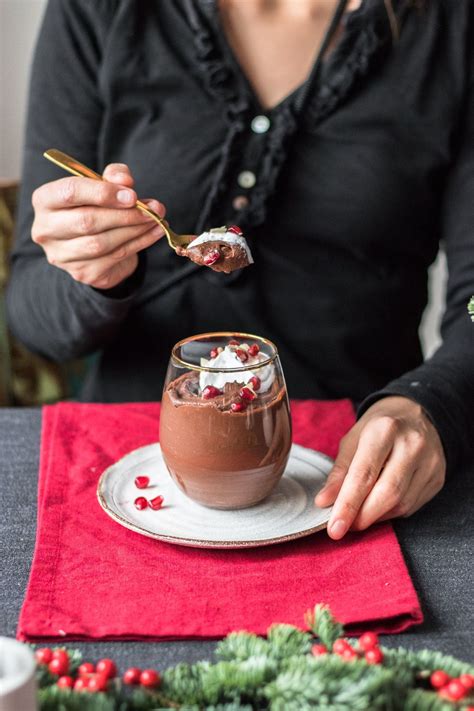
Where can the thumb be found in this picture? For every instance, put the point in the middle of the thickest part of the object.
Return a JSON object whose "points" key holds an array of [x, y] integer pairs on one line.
{"points": [[347, 449], [118, 173]]}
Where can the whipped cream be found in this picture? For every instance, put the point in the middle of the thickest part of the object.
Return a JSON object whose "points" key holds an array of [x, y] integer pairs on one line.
{"points": [[227, 359], [221, 234]]}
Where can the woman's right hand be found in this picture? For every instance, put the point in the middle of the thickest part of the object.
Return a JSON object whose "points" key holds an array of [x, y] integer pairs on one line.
{"points": [[92, 229]]}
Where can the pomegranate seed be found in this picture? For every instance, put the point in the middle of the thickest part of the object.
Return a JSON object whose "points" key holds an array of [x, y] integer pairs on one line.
{"points": [[247, 394], [107, 668], [210, 392], [141, 503], [339, 646], [241, 355], [238, 406], [149, 678], [374, 656], [254, 349], [233, 342], [368, 640], [156, 503], [349, 654], [456, 690], [214, 353], [317, 650], [212, 257], [97, 682], [141, 482], [467, 680], [80, 684], [132, 676], [255, 382], [86, 668], [59, 666], [235, 229], [439, 678], [43, 655], [65, 682]]}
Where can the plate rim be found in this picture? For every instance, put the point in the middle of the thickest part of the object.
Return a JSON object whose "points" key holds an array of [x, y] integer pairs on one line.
{"points": [[196, 542]]}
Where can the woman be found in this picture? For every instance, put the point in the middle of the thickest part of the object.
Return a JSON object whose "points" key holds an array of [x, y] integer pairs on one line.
{"points": [[344, 149]]}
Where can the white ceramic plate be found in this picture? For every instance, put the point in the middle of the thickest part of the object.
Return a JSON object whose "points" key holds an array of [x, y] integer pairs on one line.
{"points": [[289, 512]]}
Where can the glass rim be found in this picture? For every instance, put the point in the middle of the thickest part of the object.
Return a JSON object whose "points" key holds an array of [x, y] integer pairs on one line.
{"points": [[231, 334]]}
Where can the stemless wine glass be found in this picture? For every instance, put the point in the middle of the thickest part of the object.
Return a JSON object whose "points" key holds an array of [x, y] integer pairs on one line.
{"points": [[225, 426]]}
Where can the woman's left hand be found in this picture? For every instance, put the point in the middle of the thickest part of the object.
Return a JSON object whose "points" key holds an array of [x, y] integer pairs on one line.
{"points": [[389, 464]]}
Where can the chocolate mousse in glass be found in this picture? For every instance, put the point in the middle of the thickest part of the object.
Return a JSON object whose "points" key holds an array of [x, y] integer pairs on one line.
{"points": [[225, 426]]}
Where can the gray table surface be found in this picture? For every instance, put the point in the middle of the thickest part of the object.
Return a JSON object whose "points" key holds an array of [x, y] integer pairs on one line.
{"points": [[437, 543]]}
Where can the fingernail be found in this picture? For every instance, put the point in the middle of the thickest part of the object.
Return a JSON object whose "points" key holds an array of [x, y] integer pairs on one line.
{"points": [[125, 197], [338, 528]]}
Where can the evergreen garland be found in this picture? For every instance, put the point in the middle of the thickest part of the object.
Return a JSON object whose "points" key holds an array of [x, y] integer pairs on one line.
{"points": [[470, 307], [283, 672]]}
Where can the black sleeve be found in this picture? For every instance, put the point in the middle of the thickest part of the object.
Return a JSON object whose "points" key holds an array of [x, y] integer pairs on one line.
{"points": [[444, 384], [47, 310]]}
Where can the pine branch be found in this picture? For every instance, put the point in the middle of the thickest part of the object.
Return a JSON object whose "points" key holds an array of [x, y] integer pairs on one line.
{"points": [[322, 623], [470, 307]]}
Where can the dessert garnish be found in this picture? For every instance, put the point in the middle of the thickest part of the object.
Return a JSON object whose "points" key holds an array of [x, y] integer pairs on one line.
{"points": [[156, 503], [223, 249], [141, 503], [141, 482]]}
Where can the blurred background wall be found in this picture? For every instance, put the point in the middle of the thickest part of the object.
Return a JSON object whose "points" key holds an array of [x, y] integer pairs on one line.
{"points": [[19, 22]]}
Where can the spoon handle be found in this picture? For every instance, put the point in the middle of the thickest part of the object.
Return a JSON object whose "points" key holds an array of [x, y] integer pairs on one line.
{"points": [[82, 171]]}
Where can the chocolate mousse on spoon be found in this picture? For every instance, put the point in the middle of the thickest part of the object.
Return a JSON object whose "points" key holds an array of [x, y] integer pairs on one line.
{"points": [[223, 249]]}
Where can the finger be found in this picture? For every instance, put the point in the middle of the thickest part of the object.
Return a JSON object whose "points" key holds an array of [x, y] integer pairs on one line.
{"points": [[119, 173], [330, 490], [97, 272], [85, 248], [75, 192], [375, 444], [427, 481], [392, 487]]}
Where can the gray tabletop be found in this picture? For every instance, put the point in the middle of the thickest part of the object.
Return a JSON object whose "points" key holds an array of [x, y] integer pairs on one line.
{"points": [[437, 543]]}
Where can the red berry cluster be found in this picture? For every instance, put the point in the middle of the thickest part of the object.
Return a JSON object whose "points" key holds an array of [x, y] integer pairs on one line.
{"points": [[368, 648], [452, 689], [141, 482], [90, 677]]}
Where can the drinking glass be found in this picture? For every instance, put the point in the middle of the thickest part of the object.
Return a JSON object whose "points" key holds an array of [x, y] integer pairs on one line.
{"points": [[225, 426]]}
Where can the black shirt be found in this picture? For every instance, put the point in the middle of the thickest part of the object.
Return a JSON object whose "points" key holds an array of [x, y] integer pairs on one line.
{"points": [[344, 202]]}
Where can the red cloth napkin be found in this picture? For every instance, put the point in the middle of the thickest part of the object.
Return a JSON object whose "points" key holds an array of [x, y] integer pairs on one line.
{"points": [[93, 579]]}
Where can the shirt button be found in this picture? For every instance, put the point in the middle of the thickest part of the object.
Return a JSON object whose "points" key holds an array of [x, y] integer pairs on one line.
{"points": [[240, 202], [246, 179], [260, 124]]}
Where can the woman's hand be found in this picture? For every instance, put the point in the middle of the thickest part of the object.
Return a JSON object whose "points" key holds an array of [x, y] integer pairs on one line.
{"points": [[389, 464], [91, 229]]}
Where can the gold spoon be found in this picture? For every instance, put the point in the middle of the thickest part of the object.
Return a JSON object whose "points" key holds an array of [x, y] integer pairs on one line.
{"points": [[82, 171]]}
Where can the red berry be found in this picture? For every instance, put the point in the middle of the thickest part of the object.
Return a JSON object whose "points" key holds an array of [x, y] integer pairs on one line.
{"points": [[132, 676], [210, 392], [140, 503], [340, 645], [374, 656], [254, 349], [213, 256], [156, 503], [235, 229], [86, 668], [238, 406], [233, 342], [60, 654], [65, 682], [43, 655], [247, 394], [80, 684], [255, 382], [149, 678], [141, 482], [439, 678], [107, 668], [368, 640], [317, 650], [349, 654], [241, 354], [97, 682], [468, 708], [467, 680], [455, 690], [214, 353], [59, 665]]}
